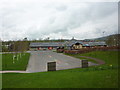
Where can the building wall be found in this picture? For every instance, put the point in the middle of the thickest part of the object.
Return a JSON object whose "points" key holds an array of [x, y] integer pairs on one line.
{"points": [[42, 48], [77, 46], [32, 49]]}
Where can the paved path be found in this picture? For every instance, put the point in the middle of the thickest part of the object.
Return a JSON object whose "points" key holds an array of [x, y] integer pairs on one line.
{"points": [[38, 61], [95, 59], [13, 72]]}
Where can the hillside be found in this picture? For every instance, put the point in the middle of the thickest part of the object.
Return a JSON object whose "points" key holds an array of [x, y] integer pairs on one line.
{"points": [[105, 38]]}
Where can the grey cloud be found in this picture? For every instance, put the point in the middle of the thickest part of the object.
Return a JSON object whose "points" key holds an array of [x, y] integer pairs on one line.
{"points": [[61, 7], [101, 10], [47, 19]]}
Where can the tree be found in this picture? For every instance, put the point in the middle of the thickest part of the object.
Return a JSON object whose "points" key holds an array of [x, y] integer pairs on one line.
{"points": [[113, 40], [19, 47]]}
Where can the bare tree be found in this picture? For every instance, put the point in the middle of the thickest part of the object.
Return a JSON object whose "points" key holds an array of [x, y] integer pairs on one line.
{"points": [[18, 48]]}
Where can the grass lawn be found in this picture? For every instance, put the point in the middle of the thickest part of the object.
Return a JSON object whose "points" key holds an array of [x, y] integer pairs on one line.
{"points": [[1, 62], [110, 57], [17, 64], [62, 79], [92, 77]]}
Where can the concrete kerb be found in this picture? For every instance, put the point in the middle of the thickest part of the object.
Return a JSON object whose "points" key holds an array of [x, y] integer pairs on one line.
{"points": [[13, 72]]}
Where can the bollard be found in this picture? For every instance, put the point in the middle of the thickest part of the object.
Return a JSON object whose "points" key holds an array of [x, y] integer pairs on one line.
{"points": [[51, 66], [84, 63]]}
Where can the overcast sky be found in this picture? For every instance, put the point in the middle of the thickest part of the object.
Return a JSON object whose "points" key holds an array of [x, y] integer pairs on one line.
{"points": [[57, 19]]}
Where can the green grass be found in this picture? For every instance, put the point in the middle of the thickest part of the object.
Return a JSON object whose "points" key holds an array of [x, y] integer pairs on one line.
{"points": [[92, 77], [19, 64], [110, 57], [78, 56], [0, 62], [91, 60], [63, 79]]}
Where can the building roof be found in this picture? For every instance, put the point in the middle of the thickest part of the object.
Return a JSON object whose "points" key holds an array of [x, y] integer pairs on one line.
{"points": [[66, 43], [39, 44], [97, 43], [70, 43]]}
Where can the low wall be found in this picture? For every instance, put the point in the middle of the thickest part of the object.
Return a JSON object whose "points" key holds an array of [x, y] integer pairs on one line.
{"points": [[92, 49]]}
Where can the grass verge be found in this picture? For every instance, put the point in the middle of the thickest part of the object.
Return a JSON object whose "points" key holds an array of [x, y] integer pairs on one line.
{"points": [[19, 63], [110, 57]]}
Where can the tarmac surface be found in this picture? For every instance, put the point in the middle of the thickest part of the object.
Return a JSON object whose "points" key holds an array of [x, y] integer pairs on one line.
{"points": [[39, 59]]}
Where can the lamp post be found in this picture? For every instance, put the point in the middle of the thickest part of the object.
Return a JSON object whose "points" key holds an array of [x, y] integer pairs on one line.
{"points": [[103, 33]]}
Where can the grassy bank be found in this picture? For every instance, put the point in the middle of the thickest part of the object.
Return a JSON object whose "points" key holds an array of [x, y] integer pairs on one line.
{"points": [[19, 63], [110, 57]]}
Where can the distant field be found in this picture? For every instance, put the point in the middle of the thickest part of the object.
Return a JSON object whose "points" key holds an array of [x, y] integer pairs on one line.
{"points": [[103, 76], [17, 64]]}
